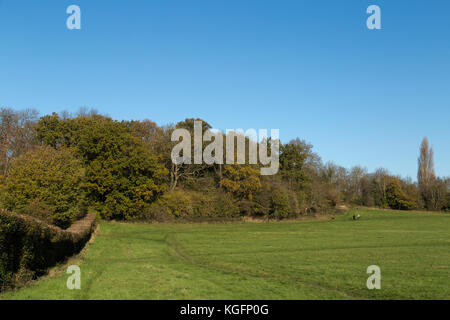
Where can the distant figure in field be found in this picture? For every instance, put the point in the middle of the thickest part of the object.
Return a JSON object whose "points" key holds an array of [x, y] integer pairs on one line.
{"points": [[354, 217], [358, 217]]}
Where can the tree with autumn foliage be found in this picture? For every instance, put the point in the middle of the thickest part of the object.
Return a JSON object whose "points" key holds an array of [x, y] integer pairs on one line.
{"points": [[48, 184], [122, 177]]}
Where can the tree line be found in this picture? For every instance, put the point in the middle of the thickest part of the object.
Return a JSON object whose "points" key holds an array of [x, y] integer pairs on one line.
{"points": [[57, 166]]}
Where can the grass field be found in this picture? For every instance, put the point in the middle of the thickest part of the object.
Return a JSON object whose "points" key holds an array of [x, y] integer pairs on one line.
{"points": [[312, 259]]}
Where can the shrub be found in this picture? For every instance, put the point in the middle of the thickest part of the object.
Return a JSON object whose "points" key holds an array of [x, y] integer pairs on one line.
{"points": [[156, 212], [241, 180], [274, 200], [177, 203], [252, 209], [280, 204], [446, 206], [184, 204], [29, 246], [47, 183], [225, 206]]}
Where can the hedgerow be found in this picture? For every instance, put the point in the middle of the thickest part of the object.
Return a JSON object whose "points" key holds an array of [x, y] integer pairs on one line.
{"points": [[28, 246], [185, 204]]}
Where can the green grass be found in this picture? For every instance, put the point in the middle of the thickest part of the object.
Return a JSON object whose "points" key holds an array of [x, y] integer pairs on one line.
{"points": [[313, 259]]}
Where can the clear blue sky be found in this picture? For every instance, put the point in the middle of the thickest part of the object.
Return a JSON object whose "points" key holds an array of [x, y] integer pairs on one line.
{"points": [[310, 68]]}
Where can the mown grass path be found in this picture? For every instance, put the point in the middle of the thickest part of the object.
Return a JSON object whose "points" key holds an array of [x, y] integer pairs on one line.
{"points": [[316, 259]]}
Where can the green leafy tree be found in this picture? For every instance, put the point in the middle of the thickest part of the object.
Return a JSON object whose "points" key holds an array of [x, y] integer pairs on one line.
{"points": [[122, 176], [292, 161], [396, 198], [48, 184]]}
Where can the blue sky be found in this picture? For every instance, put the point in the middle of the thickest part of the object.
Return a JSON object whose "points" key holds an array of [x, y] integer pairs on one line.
{"points": [[309, 68]]}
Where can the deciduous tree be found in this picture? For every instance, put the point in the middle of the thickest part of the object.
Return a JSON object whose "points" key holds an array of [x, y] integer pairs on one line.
{"points": [[46, 181], [122, 176], [425, 174]]}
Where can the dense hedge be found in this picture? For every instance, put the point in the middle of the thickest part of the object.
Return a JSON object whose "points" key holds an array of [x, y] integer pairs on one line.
{"points": [[274, 203], [28, 246], [188, 205]]}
